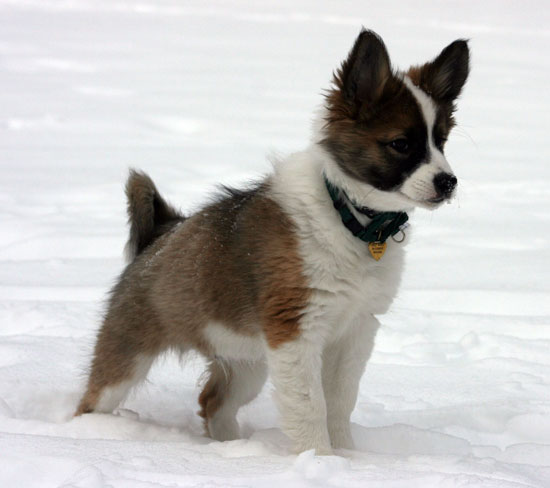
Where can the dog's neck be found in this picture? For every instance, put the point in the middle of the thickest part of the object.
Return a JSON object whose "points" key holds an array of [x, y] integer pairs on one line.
{"points": [[361, 194], [380, 225]]}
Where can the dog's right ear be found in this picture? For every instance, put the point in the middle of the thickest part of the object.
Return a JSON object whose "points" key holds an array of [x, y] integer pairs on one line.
{"points": [[363, 75]]}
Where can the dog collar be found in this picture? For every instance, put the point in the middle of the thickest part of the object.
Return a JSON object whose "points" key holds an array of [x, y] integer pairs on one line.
{"points": [[382, 225]]}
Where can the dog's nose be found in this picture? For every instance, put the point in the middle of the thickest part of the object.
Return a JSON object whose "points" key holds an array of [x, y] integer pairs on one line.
{"points": [[445, 183]]}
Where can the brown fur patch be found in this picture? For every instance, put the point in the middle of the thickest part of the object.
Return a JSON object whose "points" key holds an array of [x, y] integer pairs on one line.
{"points": [[445, 76], [284, 293], [121, 339], [88, 402], [415, 74], [235, 263], [149, 215], [360, 144], [213, 392]]}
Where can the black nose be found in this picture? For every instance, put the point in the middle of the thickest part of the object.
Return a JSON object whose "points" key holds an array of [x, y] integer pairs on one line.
{"points": [[445, 183]]}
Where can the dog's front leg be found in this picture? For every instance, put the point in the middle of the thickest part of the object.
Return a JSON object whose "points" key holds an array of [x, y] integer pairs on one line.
{"points": [[343, 365], [295, 369]]}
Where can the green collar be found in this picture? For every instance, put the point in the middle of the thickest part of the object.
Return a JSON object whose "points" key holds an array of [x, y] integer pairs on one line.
{"points": [[382, 225]]}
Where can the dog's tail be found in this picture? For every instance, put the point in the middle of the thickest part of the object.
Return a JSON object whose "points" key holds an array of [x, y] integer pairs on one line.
{"points": [[149, 215]]}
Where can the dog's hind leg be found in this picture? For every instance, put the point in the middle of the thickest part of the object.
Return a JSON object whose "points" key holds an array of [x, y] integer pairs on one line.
{"points": [[122, 359], [231, 384]]}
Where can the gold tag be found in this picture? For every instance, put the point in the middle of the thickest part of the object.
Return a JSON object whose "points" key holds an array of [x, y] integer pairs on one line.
{"points": [[377, 249]]}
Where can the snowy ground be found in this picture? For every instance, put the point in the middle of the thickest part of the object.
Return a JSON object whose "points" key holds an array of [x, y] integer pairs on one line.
{"points": [[458, 390]]}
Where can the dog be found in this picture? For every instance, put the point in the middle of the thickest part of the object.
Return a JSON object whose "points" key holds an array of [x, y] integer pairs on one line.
{"points": [[287, 277]]}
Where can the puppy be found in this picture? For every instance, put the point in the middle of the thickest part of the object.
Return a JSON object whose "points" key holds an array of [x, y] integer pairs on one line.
{"points": [[287, 277]]}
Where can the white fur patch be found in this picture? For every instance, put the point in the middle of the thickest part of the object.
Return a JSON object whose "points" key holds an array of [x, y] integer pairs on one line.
{"points": [[295, 369], [348, 286], [246, 381], [230, 345], [419, 186], [427, 106], [343, 365], [345, 278], [112, 396]]}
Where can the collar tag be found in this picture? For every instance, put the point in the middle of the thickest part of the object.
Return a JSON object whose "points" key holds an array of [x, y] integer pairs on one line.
{"points": [[377, 249]]}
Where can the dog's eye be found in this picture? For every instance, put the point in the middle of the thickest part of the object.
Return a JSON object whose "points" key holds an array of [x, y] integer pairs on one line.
{"points": [[400, 145], [439, 142]]}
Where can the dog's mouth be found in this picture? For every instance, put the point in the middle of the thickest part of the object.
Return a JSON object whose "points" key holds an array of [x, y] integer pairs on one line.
{"points": [[428, 203], [439, 199]]}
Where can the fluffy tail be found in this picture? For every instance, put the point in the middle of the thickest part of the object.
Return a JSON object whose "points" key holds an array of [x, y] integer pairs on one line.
{"points": [[149, 215]]}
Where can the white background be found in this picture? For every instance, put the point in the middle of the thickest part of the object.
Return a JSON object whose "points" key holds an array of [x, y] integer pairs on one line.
{"points": [[197, 93]]}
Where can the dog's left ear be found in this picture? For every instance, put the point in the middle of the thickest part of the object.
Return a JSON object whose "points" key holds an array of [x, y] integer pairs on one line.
{"points": [[446, 75]]}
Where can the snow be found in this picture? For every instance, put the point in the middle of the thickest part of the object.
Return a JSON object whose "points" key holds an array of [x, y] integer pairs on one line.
{"points": [[196, 93]]}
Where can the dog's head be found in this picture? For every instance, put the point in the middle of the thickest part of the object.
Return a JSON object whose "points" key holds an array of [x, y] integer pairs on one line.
{"points": [[387, 130]]}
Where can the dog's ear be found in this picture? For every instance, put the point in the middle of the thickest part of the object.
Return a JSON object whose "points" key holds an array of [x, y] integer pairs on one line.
{"points": [[446, 75], [366, 70]]}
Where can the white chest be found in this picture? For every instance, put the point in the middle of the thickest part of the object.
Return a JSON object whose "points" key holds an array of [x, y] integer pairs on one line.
{"points": [[347, 281]]}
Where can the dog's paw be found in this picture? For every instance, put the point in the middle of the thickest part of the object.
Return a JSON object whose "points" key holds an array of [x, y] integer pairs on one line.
{"points": [[223, 429], [340, 437], [127, 413]]}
